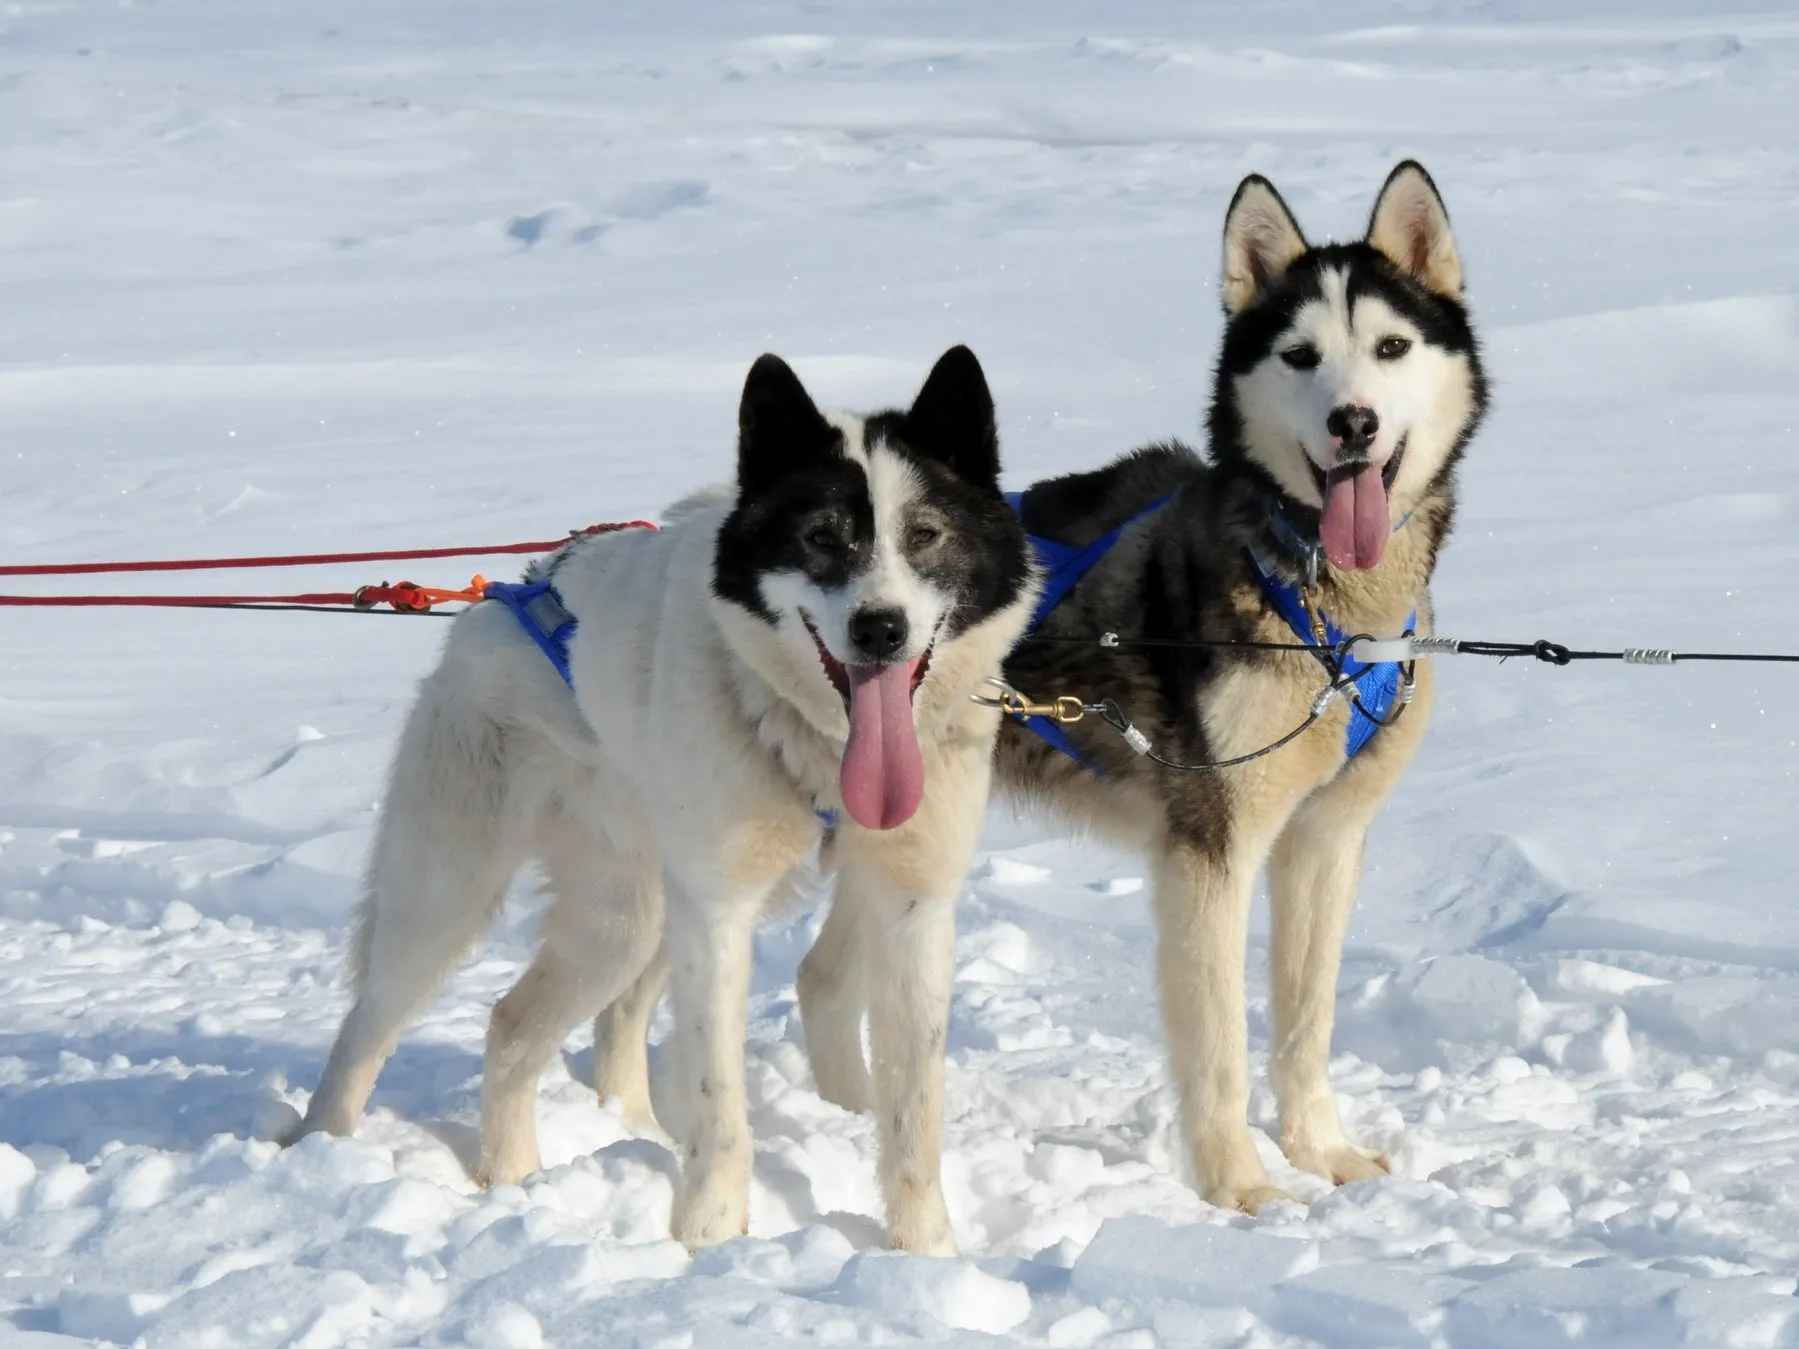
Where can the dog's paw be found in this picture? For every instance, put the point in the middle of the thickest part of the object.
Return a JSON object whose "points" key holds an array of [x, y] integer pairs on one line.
{"points": [[848, 1091], [708, 1221], [918, 1223], [307, 1126], [508, 1167], [1248, 1199], [943, 1246], [635, 1109], [1341, 1164]]}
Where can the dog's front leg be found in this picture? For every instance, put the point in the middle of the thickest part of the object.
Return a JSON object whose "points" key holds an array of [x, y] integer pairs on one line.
{"points": [[709, 949], [1202, 918], [1312, 875], [910, 964], [899, 890]]}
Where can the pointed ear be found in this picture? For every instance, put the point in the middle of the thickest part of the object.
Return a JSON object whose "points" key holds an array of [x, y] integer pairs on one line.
{"points": [[1411, 227], [1261, 239], [778, 425], [952, 418]]}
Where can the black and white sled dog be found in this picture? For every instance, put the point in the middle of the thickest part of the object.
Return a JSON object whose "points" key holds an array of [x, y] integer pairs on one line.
{"points": [[1348, 385], [789, 659]]}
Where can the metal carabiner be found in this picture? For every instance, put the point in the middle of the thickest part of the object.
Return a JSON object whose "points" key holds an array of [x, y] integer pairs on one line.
{"points": [[1065, 710]]}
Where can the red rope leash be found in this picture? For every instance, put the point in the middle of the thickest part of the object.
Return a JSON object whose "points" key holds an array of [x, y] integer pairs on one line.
{"points": [[175, 601], [404, 597], [309, 559]]}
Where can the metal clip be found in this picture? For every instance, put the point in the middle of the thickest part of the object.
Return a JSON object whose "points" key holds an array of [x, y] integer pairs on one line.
{"points": [[1065, 710], [1308, 596]]}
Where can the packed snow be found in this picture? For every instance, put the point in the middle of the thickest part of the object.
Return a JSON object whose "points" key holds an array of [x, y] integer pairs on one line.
{"points": [[401, 274]]}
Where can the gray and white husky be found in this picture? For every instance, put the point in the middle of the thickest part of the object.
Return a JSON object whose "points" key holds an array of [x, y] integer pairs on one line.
{"points": [[788, 659], [1348, 386]]}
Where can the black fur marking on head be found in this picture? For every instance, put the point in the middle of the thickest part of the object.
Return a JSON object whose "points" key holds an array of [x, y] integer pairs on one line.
{"points": [[953, 417], [980, 559], [779, 428], [801, 506], [804, 507]]}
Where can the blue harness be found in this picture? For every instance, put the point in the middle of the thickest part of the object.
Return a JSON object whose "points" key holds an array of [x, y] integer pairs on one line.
{"points": [[1065, 564], [538, 607]]}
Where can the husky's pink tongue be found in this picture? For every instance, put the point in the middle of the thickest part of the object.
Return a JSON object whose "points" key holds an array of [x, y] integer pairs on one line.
{"points": [[1354, 526], [883, 770]]}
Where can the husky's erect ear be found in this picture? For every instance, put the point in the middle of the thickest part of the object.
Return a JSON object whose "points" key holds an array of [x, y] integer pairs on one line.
{"points": [[1261, 239], [952, 418], [779, 428], [1411, 227]]}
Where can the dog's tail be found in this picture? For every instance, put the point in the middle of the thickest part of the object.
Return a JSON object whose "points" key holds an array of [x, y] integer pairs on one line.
{"points": [[450, 834]]}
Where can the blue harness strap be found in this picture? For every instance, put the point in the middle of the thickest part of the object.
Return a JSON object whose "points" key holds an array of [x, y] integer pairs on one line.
{"points": [[538, 607], [1065, 564], [1376, 685]]}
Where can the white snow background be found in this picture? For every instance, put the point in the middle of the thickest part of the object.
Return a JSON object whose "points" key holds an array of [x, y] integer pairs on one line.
{"points": [[297, 277]]}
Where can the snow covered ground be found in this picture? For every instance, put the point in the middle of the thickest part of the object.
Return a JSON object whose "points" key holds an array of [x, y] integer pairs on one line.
{"points": [[392, 273]]}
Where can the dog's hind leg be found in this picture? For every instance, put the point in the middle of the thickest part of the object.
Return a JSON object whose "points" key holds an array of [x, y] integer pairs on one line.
{"points": [[831, 980], [437, 875], [597, 936], [621, 1066]]}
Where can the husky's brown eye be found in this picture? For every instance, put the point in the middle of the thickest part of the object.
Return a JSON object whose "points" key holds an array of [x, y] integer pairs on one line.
{"points": [[1304, 356], [922, 537], [822, 539], [1392, 348]]}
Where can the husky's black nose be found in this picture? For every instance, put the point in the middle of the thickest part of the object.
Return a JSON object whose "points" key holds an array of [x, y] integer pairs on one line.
{"points": [[1354, 426], [878, 633]]}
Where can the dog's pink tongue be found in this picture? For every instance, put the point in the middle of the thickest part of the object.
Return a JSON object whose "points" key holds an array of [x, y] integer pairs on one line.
{"points": [[1354, 526], [883, 769]]}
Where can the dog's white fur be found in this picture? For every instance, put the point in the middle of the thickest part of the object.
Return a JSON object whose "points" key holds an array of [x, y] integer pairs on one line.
{"points": [[681, 783]]}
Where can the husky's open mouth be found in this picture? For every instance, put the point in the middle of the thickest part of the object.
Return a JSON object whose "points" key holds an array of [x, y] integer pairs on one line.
{"points": [[1355, 520], [882, 778], [1387, 474]]}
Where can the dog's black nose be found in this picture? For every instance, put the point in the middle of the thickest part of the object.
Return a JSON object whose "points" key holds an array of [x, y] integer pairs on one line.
{"points": [[1354, 426], [878, 633]]}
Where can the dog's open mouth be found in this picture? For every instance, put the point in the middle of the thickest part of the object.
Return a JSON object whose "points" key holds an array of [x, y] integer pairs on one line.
{"points": [[882, 778], [839, 674], [1356, 521], [1387, 475]]}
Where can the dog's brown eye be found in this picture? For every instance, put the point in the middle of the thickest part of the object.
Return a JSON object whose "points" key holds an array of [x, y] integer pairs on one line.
{"points": [[922, 536], [1392, 348], [822, 539], [1301, 357]]}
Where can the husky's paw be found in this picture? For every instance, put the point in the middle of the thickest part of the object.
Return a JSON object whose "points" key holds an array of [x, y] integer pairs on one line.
{"points": [[707, 1219], [313, 1124], [1342, 1163], [1250, 1198], [508, 1166], [919, 1225]]}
